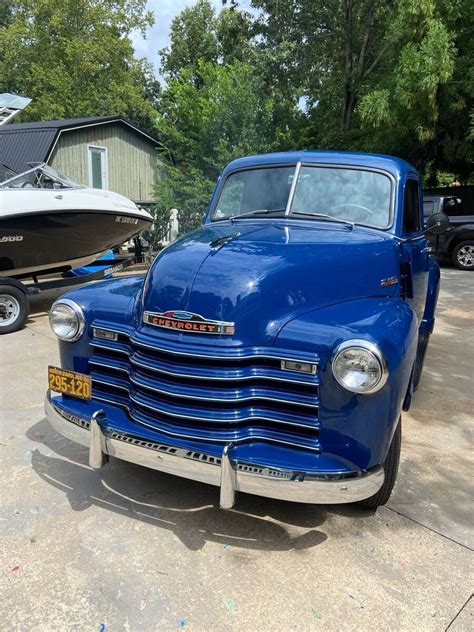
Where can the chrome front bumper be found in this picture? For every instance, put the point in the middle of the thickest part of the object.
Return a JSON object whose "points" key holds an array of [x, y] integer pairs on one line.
{"points": [[226, 473]]}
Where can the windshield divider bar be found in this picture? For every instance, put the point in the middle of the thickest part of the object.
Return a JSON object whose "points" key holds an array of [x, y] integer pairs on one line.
{"points": [[292, 189]]}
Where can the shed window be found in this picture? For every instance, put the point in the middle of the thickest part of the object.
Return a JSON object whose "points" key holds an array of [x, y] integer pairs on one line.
{"points": [[411, 211]]}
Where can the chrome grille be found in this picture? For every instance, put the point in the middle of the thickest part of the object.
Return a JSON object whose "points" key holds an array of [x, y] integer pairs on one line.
{"points": [[208, 397]]}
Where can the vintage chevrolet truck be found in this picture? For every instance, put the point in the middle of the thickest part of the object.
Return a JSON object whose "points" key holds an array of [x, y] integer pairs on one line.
{"points": [[272, 350]]}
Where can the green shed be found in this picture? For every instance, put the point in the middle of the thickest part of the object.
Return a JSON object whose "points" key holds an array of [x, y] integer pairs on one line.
{"points": [[104, 152]]}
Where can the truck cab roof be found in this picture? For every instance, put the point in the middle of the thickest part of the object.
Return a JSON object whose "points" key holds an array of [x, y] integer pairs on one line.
{"points": [[395, 166]]}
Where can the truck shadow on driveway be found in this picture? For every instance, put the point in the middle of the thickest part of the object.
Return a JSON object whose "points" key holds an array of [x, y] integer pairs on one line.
{"points": [[187, 508]]}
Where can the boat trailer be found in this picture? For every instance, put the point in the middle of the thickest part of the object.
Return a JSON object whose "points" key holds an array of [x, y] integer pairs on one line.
{"points": [[14, 293]]}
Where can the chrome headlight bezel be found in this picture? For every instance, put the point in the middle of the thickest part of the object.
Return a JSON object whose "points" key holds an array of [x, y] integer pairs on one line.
{"points": [[370, 348], [78, 314]]}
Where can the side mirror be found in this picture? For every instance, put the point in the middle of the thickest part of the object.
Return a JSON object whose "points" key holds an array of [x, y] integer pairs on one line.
{"points": [[437, 224]]}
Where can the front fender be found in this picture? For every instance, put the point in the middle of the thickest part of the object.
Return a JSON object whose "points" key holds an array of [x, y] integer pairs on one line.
{"points": [[113, 300], [356, 427]]}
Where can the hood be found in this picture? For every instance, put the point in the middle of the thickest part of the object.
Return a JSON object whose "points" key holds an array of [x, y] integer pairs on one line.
{"points": [[261, 275]]}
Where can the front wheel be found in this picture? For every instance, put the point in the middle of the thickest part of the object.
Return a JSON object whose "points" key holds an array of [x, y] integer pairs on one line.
{"points": [[463, 255], [390, 467], [13, 309]]}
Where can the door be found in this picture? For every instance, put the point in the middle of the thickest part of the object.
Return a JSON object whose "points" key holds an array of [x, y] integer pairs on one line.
{"points": [[416, 247], [97, 167]]}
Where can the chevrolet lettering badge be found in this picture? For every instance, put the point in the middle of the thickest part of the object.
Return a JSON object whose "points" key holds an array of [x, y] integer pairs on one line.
{"points": [[187, 321]]}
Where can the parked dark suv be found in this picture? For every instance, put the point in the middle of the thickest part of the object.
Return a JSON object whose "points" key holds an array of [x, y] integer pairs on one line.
{"points": [[458, 242]]}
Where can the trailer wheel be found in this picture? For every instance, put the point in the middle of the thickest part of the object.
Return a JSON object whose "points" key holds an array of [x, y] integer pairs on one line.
{"points": [[13, 309], [391, 470]]}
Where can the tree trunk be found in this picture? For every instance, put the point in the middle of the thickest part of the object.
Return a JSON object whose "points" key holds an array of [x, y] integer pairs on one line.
{"points": [[348, 94], [350, 99]]}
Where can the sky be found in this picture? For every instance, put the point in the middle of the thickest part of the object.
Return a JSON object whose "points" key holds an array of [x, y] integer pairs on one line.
{"points": [[157, 36]]}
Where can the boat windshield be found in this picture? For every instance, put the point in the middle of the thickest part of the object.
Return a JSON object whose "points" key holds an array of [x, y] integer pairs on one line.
{"points": [[40, 176], [5, 173], [339, 193]]}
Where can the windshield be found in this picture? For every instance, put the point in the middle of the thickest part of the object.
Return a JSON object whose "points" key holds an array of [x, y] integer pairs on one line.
{"points": [[5, 173], [40, 176], [354, 195]]}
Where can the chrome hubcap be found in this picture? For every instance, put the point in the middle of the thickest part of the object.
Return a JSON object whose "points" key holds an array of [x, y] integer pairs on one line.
{"points": [[466, 255], [9, 310]]}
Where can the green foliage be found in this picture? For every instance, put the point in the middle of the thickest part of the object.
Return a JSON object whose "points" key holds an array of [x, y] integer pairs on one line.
{"points": [[420, 107], [192, 38], [188, 190], [205, 124], [393, 76], [445, 179], [198, 34], [75, 58]]}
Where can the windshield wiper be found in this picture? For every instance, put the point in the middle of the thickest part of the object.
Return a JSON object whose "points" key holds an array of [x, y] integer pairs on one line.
{"points": [[257, 211], [323, 216]]}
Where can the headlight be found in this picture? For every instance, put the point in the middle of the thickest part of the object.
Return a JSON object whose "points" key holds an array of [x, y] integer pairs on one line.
{"points": [[67, 320], [359, 366]]}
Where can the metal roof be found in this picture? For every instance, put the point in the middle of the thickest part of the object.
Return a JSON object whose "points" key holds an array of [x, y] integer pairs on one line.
{"points": [[17, 149], [21, 143]]}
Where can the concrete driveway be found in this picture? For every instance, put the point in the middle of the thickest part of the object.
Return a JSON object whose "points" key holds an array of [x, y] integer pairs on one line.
{"points": [[132, 549]]}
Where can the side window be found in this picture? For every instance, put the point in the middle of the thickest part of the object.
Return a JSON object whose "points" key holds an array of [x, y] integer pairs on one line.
{"points": [[453, 206], [428, 208], [411, 210]]}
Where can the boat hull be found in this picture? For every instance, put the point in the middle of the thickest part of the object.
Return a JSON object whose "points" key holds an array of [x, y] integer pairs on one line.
{"points": [[56, 241]]}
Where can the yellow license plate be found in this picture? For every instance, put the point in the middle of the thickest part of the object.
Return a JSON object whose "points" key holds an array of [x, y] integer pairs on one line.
{"points": [[70, 382]]}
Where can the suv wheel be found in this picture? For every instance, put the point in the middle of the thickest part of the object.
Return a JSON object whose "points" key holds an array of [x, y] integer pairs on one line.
{"points": [[463, 255], [390, 467]]}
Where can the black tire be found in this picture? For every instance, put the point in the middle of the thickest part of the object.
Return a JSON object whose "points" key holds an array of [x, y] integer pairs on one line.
{"points": [[463, 255], [423, 339], [13, 309], [391, 470]]}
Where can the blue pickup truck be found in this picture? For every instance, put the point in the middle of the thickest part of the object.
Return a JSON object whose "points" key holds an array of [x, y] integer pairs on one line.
{"points": [[272, 350]]}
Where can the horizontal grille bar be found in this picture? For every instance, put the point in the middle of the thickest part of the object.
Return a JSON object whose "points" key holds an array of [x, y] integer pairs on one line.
{"points": [[222, 394], [241, 434], [210, 397], [170, 366]]}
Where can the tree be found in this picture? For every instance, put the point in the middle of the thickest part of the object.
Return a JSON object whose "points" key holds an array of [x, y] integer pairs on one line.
{"points": [[234, 34], [76, 58], [421, 107], [204, 125], [192, 38], [377, 75], [197, 33], [6, 9], [326, 50]]}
